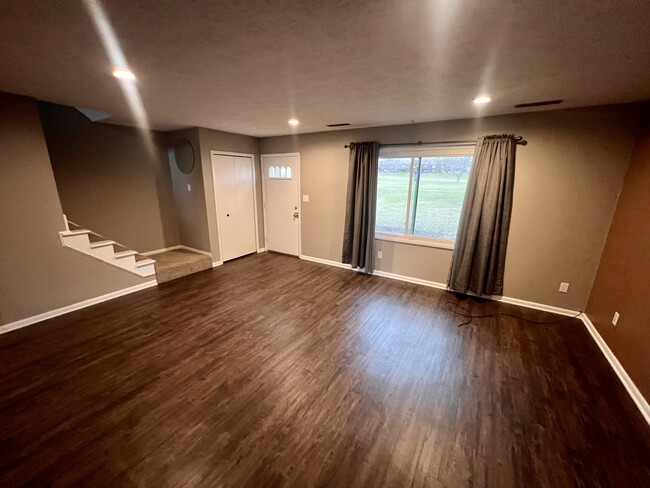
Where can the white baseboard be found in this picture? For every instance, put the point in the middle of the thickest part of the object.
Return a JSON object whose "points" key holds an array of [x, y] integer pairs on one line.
{"points": [[443, 286], [173, 248], [631, 388], [75, 306], [217, 263], [158, 251], [512, 301], [325, 261], [261, 249], [188, 248], [418, 281], [538, 306], [637, 397]]}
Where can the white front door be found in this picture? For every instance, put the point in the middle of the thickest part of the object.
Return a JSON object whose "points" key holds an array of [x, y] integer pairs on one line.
{"points": [[235, 204], [281, 177]]}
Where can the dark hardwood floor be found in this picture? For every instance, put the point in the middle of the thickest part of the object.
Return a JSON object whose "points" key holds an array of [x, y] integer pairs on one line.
{"points": [[270, 371]]}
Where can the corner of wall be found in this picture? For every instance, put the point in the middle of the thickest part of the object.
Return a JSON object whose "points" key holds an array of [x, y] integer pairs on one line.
{"points": [[190, 201], [37, 274]]}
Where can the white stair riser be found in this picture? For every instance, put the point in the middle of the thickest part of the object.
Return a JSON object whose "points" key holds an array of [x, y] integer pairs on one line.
{"points": [[148, 270], [79, 242], [105, 253], [126, 262]]}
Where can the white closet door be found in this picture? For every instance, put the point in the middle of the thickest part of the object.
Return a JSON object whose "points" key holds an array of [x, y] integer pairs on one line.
{"points": [[233, 185], [243, 168]]}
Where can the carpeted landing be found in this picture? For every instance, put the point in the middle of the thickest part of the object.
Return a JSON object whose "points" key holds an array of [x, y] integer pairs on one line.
{"points": [[171, 265]]}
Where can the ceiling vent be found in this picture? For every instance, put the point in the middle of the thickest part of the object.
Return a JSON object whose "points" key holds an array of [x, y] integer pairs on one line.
{"points": [[338, 125], [538, 104]]}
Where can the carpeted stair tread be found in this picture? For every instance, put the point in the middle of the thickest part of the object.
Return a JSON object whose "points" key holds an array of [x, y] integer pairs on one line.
{"points": [[171, 265]]}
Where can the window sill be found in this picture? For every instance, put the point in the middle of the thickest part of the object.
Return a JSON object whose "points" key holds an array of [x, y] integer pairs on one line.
{"points": [[417, 241]]}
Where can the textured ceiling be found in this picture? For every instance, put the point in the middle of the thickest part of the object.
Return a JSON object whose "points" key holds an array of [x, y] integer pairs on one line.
{"points": [[248, 66]]}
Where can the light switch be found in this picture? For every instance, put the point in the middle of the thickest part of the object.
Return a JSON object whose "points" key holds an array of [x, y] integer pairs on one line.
{"points": [[379, 254], [189, 187], [305, 198]]}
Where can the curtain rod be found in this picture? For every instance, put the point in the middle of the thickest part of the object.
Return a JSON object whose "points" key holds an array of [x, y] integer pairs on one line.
{"points": [[518, 139]]}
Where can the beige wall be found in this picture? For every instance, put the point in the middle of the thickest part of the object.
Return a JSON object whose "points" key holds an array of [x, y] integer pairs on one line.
{"points": [[623, 277], [37, 274], [111, 179], [214, 140], [196, 210], [567, 181], [190, 204]]}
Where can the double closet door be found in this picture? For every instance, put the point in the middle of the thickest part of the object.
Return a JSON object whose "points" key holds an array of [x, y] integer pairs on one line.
{"points": [[234, 188]]}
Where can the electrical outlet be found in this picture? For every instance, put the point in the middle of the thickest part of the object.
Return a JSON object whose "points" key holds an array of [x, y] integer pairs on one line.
{"points": [[379, 254], [305, 198], [564, 287], [189, 187], [615, 319]]}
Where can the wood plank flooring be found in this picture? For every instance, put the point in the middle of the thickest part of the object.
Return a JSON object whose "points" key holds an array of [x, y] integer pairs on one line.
{"points": [[271, 371]]}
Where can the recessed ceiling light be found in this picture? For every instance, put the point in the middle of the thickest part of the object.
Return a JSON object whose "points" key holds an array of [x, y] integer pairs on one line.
{"points": [[482, 99], [123, 74], [293, 121]]}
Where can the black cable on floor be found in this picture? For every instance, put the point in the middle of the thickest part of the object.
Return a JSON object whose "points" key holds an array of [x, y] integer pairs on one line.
{"points": [[466, 312]]}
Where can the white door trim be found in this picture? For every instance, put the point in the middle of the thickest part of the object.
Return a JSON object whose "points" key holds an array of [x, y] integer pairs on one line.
{"points": [[214, 192], [299, 196]]}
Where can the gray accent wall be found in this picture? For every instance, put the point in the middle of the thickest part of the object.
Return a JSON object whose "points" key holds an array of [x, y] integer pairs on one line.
{"points": [[214, 140], [567, 181], [37, 274], [195, 209], [190, 204], [111, 179]]}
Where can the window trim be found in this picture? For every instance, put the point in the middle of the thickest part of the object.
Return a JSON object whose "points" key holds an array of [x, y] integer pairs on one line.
{"points": [[423, 151], [446, 244], [413, 152]]}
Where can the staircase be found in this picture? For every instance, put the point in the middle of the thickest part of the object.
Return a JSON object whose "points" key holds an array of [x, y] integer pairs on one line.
{"points": [[96, 246]]}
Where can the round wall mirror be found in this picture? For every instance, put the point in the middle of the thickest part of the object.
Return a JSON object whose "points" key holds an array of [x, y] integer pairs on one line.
{"points": [[183, 155]]}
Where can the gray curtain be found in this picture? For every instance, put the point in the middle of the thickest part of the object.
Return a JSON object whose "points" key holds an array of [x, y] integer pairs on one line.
{"points": [[359, 232], [480, 250]]}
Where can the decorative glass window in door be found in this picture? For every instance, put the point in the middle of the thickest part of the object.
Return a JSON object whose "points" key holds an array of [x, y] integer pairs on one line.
{"points": [[280, 172]]}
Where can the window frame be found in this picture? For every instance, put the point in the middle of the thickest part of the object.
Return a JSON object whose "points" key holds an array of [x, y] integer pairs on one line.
{"points": [[413, 152]]}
